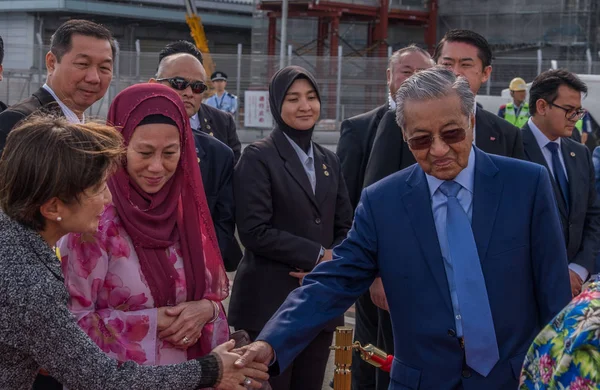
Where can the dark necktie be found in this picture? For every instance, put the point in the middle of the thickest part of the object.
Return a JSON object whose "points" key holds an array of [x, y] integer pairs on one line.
{"points": [[481, 346], [559, 173]]}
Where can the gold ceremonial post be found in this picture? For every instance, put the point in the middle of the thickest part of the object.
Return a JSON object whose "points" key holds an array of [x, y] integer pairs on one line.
{"points": [[342, 377]]}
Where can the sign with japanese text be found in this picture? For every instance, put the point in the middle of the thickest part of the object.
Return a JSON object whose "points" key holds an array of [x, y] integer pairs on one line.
{"points": [[257, 112]]}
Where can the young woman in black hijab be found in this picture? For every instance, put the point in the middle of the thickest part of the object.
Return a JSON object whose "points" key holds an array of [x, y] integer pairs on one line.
{"points": [[292, 208]]}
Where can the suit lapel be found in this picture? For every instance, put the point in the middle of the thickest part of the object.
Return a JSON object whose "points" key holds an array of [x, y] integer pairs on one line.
{"points": [[534, 154], [574, 175], [486, 136], [486, 199], [417, 202], [206, 124], [324, 175], [292, 164], [202, 160]]}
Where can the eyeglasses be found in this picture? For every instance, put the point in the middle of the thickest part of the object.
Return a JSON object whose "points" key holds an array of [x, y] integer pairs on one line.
{"points": [[425, 141], [179, 83], [572, 114]]}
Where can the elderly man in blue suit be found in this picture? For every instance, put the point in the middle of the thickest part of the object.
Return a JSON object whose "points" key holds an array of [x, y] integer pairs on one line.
{"points": [[469, 247]]}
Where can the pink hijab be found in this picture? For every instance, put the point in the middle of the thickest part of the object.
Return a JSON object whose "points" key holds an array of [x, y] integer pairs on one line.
{"points": [[178, 212]]}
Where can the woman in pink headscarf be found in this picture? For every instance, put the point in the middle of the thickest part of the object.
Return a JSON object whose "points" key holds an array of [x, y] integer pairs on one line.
{"points": [[148, 285]]}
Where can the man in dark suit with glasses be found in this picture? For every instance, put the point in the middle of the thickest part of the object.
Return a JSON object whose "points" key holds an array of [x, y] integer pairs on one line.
{"points": [[555, 106]]}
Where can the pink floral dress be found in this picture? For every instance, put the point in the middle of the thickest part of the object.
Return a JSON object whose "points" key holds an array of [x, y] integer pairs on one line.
{"points": [[110, 297]]}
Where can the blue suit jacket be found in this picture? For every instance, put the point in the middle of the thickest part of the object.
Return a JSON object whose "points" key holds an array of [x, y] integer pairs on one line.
{"points": [[524, 262]]}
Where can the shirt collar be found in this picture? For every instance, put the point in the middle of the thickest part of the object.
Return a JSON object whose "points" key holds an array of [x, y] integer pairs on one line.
{"points": [[540, 137], [391, 102], [304, 157], [466, 177], [69, 114], [195, 122]]}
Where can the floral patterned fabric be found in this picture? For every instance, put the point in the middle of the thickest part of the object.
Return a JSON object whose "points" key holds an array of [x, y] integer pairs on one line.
{"points": [[110, 297], [566, 354]]}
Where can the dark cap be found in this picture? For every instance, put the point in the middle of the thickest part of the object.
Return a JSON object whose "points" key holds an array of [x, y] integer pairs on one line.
{"points": [[218, 76]]}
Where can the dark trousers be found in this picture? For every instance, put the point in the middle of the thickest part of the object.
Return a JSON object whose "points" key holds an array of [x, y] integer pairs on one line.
{"points": [[385, 342], [307, 371], [365, 331]]}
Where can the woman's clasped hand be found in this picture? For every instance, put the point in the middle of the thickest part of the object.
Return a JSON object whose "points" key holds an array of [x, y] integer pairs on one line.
{"points": [[251, 376], [182, 325]]}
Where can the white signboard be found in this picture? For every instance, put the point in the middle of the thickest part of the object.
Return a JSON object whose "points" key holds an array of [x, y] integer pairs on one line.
{"points": [[257, 112]]}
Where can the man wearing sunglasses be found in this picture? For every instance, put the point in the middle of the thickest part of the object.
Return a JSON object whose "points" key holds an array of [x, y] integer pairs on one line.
{"points": [[468, 246], [555, 105], [185, 74]]}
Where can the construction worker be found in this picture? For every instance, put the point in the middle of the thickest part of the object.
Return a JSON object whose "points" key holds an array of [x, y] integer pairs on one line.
{"points": [[222, 99], [517, 111]]}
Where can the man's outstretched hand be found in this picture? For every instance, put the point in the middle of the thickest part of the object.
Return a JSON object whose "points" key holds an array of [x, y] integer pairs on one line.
{"points": [[258, 351]]}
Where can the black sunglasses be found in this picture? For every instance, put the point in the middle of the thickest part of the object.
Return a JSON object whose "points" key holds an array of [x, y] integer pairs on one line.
{"points": [[179, 83], [425, 141]]}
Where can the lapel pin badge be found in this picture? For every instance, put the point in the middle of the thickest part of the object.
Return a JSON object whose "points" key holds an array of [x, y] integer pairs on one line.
{"points": [[492, 138], [198, 160], [324, 166], [211, 134], [326, 173], [572, 154]]}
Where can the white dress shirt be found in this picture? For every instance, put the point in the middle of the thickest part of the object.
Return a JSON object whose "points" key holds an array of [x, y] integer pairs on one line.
{"points": [[69, 114]]}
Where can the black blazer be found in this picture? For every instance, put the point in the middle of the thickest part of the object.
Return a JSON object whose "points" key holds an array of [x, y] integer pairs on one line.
{"points": [[581, 226], [391, 154], [354, 148], [282, 224], [216, 165], [221, 125], [10, 117], [3, 106]]}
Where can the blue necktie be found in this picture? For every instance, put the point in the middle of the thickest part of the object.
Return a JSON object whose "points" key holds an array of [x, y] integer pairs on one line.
{"points": [[559, 173], [481, 347]]}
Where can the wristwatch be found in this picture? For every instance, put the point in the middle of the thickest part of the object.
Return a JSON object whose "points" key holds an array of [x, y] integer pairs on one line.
{"points": [[321, 253]]}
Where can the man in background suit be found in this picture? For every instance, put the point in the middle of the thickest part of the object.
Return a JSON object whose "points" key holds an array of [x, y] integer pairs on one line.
{"points": [[185, 74], [467, 54], [353, 149], [79, 63], [555, 105], [210, 120], [468, 245]]}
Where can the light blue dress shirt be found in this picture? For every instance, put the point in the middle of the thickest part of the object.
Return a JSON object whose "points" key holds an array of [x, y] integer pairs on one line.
{"points": [[542, 142], [307, 161], [439, 206], [69, 114], [226, 102]]}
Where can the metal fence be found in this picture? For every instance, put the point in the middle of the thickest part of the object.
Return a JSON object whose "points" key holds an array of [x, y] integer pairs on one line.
{"points": [[349, 85]]}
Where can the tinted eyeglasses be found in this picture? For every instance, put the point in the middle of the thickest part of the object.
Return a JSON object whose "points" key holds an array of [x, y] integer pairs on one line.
{"points": [[179, 83], [572, 114], [449, 137]]}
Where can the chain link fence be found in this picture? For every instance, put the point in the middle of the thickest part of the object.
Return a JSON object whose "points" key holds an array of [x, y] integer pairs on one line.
{"points": [[361, 82]]}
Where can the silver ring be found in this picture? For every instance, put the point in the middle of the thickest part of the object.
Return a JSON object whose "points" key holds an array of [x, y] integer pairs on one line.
{"points": [[185, 340], [247, 381]]}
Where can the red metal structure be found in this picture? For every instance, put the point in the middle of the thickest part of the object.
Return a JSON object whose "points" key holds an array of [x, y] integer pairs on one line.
{"points": [[331, 13]]}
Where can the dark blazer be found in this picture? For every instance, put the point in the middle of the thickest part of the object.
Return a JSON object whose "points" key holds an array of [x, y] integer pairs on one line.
{"points": [[581, 226], [216, 165], [523, 259], [390, 153], [3, 106], [16, 113], [282, 224], [354, 148], [221, 125]]}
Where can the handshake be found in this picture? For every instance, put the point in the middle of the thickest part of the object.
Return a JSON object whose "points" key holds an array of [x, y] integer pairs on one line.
{"points": [[245, 367]]}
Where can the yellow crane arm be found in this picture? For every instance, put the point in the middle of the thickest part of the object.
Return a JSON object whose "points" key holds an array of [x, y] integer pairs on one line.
{"points": [[197, 32]]}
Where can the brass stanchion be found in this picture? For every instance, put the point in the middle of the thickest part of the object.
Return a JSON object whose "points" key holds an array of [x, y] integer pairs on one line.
{"points": [[342, 377]]}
